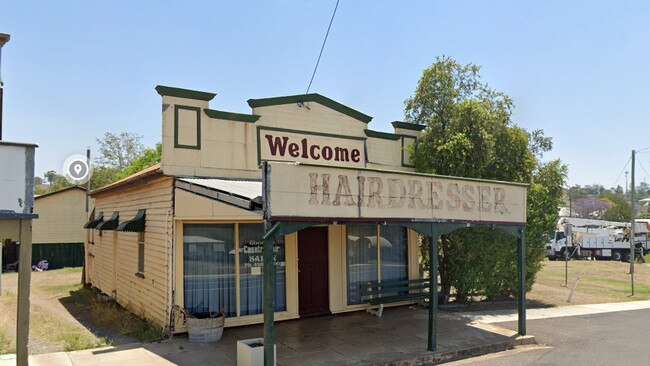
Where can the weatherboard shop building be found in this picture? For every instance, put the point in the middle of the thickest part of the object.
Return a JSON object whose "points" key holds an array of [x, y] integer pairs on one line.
{"points": [[341, 202]]}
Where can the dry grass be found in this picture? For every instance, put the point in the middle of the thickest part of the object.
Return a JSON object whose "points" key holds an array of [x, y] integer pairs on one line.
{"points": [[62, 312], [599, 282]]}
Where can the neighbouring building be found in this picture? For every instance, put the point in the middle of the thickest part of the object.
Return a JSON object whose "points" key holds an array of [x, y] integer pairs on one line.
{"points": [[58, 234], [188, 231]]}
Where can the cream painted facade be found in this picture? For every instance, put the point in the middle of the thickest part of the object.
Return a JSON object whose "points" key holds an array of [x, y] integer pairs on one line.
{"points": [[199, 142], [111, 256], [62, 215]]}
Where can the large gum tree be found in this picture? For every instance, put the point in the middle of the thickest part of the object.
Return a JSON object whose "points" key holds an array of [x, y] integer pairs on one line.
{"points": [[470, 133]]}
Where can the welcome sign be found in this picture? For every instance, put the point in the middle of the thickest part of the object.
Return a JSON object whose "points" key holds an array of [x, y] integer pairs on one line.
{"points": [[297, 191], [287, 145]]}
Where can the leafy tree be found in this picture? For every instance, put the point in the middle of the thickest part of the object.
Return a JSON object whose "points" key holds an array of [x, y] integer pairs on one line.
{"points": [[590, 207], [103, 176], [618, 189], [50, 175], [118, 151], [594, 189], [469, 133], [620, 210], [55, 182], [149, 157]]}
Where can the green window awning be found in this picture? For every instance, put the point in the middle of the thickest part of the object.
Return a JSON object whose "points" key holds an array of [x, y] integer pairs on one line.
{"points": [[135, 225], [110, 224], [94, 221]]}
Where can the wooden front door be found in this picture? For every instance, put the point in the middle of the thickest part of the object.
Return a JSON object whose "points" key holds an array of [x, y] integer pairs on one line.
{"points": [[313, 292]]}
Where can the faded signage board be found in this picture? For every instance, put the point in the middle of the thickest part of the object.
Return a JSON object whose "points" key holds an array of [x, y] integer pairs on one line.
{"points": [[301, 191], [276, 144], [16, 177]]}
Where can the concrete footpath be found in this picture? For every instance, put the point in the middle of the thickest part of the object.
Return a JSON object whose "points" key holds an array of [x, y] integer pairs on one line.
{"points": [[399, 337], [502, 316]]}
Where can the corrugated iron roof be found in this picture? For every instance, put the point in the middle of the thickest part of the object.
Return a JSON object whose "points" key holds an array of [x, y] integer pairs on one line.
{"points": [[250, 189]]}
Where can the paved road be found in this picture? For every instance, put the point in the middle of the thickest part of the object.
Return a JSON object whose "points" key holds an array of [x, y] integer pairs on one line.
{"points": [[615, 338]]}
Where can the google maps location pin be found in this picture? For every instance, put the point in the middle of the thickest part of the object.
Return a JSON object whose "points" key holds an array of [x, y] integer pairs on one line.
{"points": [[77, 168]]}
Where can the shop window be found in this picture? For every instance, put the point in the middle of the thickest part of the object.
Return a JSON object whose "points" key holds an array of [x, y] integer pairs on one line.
{"points": [[209, 268], [362, 259], [394, 256], [140, 253], [250, 270], [374, 251]]}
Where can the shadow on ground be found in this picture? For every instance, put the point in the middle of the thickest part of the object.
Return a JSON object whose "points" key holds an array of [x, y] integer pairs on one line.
{"points": [[344, 339], [80, 305]]}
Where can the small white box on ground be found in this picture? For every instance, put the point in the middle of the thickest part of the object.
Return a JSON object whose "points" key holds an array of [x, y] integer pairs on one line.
{"points": [[250, 352]]}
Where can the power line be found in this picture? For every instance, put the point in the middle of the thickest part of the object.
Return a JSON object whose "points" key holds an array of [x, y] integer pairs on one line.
{"points": [[619, 176], [645, 148], [643, 168], [322, 47]]}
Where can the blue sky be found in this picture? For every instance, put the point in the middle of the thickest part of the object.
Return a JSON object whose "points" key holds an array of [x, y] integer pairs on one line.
{"points": [[578, 70]]}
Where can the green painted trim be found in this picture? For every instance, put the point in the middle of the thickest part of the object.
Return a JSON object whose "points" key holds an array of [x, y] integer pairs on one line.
{"points": [[136, 224], [408, 126], [93, 222], [403, 146], [313, 97], [110, 224], [184, 93], [198, 127], [382, 135], [231, 116], [259, 140], [400, 172]]}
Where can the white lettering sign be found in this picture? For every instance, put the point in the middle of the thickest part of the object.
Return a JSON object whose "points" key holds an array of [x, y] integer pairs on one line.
{"points": [[323, 192]]}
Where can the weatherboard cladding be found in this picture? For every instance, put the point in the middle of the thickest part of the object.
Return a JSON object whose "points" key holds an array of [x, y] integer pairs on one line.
{"points": [[116, 253], [62, 215]]}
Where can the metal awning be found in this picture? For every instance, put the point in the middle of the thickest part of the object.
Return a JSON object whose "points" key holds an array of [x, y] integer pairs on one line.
{"points": [[241, 193], [94, 221], [110, 224], [135, 225]]}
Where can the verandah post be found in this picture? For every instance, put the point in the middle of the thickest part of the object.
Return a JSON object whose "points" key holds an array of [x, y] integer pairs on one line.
{"points": [[521, 268], [269, 300], [268, 271], [433, 289]]}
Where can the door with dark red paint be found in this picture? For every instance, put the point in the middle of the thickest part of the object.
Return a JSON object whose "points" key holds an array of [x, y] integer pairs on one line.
{"points": [[313, 293]]}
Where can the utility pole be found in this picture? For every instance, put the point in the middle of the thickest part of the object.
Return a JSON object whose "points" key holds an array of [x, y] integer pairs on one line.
{"points": [[626, 173], [4, 38], [631, 236]]}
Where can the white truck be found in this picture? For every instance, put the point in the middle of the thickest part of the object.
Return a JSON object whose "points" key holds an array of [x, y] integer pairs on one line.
{"points": [[597, 239]]}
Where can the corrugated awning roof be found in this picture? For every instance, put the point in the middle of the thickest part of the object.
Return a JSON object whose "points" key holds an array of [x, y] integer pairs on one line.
{"points": [[242, 193], [136, 224]]}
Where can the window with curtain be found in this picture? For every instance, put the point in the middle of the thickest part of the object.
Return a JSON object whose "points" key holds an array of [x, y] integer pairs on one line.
{"points": [[394, 257], [361, 247], [364, 257], [250, 270], [209, 268]]}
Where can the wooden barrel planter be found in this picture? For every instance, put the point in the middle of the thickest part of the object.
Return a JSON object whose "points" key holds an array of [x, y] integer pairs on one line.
{"points": [[205, 327]]}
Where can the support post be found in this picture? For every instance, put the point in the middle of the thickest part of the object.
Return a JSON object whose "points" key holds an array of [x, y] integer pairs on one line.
{"points": [[521, 268], [269, 301], [24, 276], [433, 289], [268, 273], [631, 232]]}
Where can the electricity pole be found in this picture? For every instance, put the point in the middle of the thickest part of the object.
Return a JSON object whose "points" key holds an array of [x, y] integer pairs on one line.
{"points": [[631, 236], [4, 38]]}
